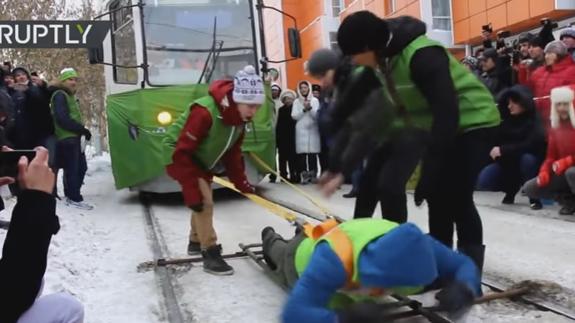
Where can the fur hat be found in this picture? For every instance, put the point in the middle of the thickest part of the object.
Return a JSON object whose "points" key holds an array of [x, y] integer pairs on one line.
{"points": [[557, 47], [288, 93], [248, 87], [561, 95], [362, 31], [567, 32]]}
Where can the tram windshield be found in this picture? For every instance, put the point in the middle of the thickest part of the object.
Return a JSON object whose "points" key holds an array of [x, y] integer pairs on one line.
{"points": [[186, 39]]}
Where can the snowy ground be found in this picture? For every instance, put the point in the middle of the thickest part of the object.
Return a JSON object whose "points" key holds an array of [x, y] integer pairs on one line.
{"points": [[96, 253]]}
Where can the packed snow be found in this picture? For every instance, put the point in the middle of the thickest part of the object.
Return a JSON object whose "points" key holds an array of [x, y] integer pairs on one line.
{"points": [[96, 254]]}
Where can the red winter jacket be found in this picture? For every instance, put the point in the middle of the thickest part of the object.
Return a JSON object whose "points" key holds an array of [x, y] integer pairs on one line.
{"points": [[561, 144], [184, 170], [546, 78]]}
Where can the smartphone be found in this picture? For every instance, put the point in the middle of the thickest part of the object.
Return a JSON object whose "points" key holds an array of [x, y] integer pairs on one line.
{"points": [[9, 161]]}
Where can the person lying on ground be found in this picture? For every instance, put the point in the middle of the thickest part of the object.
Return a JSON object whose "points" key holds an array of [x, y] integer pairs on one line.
{"points": [[331, 266], [25, 250]]}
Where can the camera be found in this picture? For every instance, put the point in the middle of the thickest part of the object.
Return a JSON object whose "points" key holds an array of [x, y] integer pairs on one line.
{"points": [[487, 28], [549, 22]]}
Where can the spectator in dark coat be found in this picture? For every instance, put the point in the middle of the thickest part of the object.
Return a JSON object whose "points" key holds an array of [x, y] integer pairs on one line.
{"points": [[520, 146], [496, 71], [25, 251], [285, 138], [6, 111], [33, 121]]}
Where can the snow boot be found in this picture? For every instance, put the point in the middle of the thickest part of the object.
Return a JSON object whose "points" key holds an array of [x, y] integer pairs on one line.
{"points": [[508, 199], [535, 204], [265, 233], [194, 248], [79, 205], [476, 253], [214, 263], [351, 194]]}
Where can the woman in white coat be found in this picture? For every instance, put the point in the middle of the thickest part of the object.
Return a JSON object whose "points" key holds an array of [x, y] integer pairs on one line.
{"points": [[307, 139]]}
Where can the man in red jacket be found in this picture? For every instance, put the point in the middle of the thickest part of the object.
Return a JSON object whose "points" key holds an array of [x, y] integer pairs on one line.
{"points": [[556, 177], [212, 137]]}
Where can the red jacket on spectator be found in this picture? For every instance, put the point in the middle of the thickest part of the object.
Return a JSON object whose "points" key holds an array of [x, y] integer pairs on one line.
{"points": [[545, 78], [561, 136], [199, 122]]}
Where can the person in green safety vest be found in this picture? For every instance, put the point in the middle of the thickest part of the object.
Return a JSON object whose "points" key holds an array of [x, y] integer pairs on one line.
{"points": [[331, 266], [69, 129], [431, 91], [210, 134]]}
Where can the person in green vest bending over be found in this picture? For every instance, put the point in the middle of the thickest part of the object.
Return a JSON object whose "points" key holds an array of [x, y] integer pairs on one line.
{"points": [[69, 129], [432, 92], [331, 266], [212, 133]]}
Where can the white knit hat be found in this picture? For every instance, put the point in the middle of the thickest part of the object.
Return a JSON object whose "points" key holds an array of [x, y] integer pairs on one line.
{"points": [[561, 95], [248, 87]]}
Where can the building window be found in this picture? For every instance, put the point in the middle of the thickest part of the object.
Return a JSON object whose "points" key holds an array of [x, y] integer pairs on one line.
{"points": [[337, 7], [441, 13], [333, 40]]}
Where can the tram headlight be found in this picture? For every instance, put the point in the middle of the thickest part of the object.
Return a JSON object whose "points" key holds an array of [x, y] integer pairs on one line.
{"points": [[164, 118]]}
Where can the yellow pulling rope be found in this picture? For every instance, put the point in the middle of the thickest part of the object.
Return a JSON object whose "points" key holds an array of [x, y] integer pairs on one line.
{"points": [[272, 207], [310, 198]]}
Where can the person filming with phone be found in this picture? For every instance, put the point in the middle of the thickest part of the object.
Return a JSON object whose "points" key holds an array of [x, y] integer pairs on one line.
{"points": [[25, 249]]}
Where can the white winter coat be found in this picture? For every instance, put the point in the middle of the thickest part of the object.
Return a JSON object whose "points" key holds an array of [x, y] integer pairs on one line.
{"points": [[307, 140]]}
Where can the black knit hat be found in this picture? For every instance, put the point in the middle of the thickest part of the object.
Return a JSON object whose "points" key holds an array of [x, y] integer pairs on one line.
{"points": [[537, 42], [362, 31], [316, 87], [321, 61], [525, 37], [490, 53]]}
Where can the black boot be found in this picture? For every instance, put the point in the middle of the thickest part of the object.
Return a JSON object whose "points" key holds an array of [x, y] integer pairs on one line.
{"points": [[265, 244], [535, 204], [508, 199], [194, 248], [214, 263], [351, 194], [476, 253]]}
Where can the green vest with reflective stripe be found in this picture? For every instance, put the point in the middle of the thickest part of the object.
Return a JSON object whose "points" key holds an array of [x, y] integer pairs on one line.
{"points": [[220, 138], [73, 110], [360, 232], [477, 107]]}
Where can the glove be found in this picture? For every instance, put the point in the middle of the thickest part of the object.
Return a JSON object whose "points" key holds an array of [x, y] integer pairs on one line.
{"points": [[361, 312], [543, 179], [87, 134], [197, 207], [245, 187], [561, 165], [455, 297]]}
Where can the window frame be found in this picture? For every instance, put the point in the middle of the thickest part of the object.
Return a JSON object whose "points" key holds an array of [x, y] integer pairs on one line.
{"points": [[115, 28], [448, 18]]}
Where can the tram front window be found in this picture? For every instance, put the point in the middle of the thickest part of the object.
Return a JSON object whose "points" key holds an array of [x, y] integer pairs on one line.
{"points": [[180, 34]]}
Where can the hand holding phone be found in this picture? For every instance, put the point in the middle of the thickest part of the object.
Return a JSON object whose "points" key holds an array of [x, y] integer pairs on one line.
{"points": [[9, 160], [36, 174]]}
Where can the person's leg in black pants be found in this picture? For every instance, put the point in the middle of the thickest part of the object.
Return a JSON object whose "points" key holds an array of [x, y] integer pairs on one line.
{"points": [[312, 160], [69, 155], [367, 196], [406, 151], [283, 163]]}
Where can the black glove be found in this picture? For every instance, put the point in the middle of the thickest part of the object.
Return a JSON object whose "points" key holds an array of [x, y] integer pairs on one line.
{"points": [[197, 208], [87, 134], [361, 312], [455, 297]]}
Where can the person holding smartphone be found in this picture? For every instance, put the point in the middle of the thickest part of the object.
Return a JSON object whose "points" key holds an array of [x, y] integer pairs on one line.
{"points": [[25, 250]]}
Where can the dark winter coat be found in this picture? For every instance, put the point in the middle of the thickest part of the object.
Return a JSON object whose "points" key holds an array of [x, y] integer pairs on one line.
{"points": [[25, 251], [520, 134], [285, 131], [32, 118]]}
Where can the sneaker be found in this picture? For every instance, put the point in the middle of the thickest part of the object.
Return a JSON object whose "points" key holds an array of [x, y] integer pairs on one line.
{"points": [[214, 263], [508, 199], [79, 205], [194, 248], [535, 204]]}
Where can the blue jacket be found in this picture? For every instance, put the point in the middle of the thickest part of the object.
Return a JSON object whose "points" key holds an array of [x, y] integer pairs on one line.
{"points": [[404, 256]]}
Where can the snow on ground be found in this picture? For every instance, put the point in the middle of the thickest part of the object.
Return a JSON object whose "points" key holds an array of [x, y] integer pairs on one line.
{"points": [[96, 254]]}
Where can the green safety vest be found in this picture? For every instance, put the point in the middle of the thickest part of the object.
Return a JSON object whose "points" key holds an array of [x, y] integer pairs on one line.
{"points": [[220, 138], [360, 233], [477, 107], [75, 114]]}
